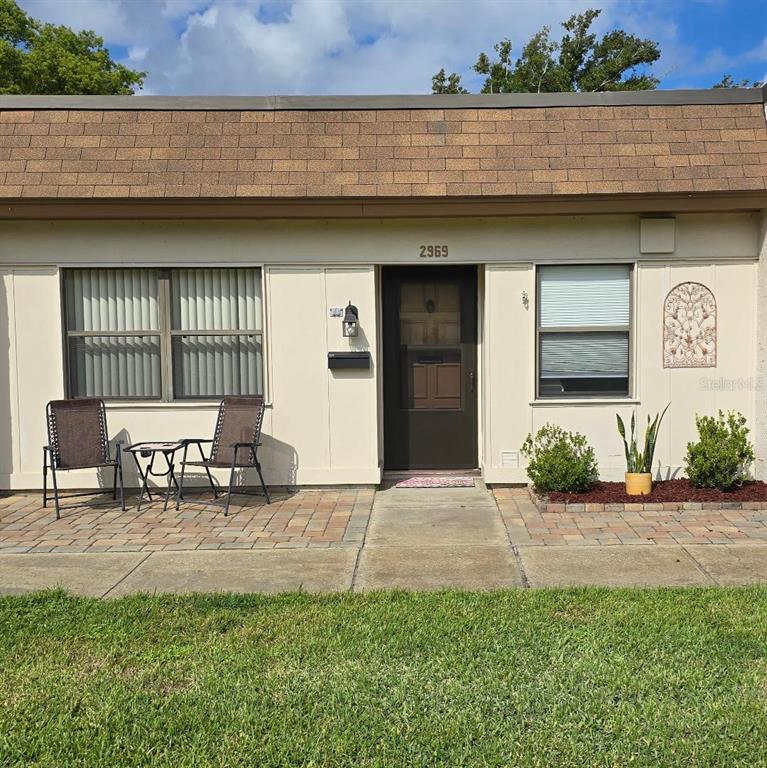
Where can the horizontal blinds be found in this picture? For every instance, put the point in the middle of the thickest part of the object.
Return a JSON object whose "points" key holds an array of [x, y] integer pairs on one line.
{"points": [[113, 301], [216, 300], [584, 295], [584, 355]]}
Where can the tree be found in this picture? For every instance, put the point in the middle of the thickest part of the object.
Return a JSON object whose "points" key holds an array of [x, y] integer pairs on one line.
{"points": [[728, 82], [442, 83], [577, 62], [41, 58]]}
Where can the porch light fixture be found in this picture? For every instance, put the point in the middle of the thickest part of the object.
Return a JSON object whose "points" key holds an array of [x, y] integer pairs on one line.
{"points": [[351, 320]]}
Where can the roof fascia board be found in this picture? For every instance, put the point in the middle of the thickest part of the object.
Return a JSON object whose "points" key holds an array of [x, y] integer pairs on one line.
{"points": [[369, 208], [450, 101]]}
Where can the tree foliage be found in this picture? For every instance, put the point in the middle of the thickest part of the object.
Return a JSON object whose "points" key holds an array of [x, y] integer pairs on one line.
{"points": [[41, 58], [579, 61], [442, 83], [727, 81]]}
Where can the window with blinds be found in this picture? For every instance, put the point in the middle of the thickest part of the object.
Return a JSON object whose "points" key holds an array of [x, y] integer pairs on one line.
{"points": [[584, 330], [163, 334]]}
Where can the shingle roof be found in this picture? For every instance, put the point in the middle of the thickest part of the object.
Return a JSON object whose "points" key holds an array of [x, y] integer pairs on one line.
{"points": [[493, 148]]}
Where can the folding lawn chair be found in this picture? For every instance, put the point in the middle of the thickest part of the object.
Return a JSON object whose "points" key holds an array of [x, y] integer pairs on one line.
{"points": [[234, 445], [78, 439]]}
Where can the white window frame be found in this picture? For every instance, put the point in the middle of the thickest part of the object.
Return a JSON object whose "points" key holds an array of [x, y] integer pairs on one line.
{"points": [[600, 396], [165, 332]]}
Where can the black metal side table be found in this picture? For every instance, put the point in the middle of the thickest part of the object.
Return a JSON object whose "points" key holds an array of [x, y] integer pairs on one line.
{"points": [[150, 451]]}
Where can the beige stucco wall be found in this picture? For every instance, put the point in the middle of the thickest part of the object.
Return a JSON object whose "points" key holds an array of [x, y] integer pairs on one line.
{"points": [[385, 241], [325, 427], [761, 361], [510, 367], [327, 420], [32, 364], [320, 425]]}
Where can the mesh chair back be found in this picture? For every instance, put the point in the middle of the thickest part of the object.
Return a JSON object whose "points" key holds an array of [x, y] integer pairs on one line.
{"points": [[239, 421], [77, 433]]}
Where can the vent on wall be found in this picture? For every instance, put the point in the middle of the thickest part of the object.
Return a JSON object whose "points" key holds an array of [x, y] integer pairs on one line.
{"points": [[657, 235], [509, 458]]}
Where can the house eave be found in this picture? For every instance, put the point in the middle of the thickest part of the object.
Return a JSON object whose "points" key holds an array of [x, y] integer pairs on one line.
{"points": [[382, 102], [378, 208]]}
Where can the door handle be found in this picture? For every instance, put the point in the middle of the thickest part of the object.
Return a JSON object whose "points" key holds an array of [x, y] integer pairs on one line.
{"points": [[471, 381]]}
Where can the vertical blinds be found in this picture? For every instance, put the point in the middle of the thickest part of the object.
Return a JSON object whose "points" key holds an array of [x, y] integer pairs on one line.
{"points": [[119, 324], [113, 301], [588, 295], [216, 299], [209, 300]]}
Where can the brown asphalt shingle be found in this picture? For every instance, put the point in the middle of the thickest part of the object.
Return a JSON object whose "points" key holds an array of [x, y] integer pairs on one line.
{"points": [[382, 153]]}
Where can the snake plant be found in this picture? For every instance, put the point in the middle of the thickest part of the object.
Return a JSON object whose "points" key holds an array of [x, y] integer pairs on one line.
{"points": [[636, 460]]}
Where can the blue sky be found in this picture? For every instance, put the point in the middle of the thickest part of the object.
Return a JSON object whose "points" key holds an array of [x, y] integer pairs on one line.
{"points": [[256, 47], [726, 37]]}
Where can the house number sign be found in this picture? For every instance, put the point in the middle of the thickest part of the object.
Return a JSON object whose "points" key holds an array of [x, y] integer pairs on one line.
{"points": [[433, 252]]}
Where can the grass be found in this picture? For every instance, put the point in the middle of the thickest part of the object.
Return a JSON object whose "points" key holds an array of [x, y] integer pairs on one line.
{"points": [[519, 678]]}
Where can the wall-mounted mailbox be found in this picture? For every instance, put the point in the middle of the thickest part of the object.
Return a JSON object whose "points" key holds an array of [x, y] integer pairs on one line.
{"points": [[348, 360]]}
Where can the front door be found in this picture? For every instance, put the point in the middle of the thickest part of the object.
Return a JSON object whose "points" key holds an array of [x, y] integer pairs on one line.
{"points": [[430, 355]]}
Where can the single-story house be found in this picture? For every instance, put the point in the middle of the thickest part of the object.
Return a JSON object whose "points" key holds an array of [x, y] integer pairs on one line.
{"points": [[412, 282]]}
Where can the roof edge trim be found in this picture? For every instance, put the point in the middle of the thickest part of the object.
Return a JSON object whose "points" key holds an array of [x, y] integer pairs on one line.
{"points": [[428, 101]]}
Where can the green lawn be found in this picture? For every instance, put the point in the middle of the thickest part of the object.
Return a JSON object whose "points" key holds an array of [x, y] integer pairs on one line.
{"points": [[516, 678]]}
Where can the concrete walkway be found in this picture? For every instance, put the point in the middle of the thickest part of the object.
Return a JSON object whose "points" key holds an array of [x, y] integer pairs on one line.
{"points": [[416, 539], [438, 537]]}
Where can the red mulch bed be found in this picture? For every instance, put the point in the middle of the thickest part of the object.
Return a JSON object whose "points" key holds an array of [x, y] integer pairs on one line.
{"points": [[665, 490]]}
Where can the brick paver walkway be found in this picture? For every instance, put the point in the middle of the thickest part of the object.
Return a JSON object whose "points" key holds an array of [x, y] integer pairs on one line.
{"points": [[306, 518], [339, 518], [527, 526]]}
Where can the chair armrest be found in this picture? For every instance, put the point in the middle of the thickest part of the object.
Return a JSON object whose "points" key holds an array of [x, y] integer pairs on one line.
{"points": [[244, 445], [188, 440], [49, 457]]}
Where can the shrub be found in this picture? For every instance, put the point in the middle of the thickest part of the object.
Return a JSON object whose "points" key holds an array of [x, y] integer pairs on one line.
{"points": [[560, 460], [723, 454]]}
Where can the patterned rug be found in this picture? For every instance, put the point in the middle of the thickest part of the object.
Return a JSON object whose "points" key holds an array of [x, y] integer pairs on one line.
{"points": [[436, 481]]}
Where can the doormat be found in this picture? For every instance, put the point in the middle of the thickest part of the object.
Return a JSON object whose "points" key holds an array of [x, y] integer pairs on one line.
{"points": [[436, 481]]}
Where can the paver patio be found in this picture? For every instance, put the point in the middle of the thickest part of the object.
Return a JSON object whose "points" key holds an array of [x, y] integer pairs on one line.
{"points": [[335, 540], [527, 526], [300, 519]]}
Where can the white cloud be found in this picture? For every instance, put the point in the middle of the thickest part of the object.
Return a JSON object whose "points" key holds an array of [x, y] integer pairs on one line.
{"points": [[137, 54], [339, 46], [759, 53], [252, 47], [718, 61], [119, 22]]}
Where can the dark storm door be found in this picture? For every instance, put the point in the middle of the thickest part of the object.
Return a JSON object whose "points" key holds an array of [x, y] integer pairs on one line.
{"points": [[430, 355]]}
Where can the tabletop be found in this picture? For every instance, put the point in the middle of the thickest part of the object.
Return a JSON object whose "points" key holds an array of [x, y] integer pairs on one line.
{"points": [[154, 446]]}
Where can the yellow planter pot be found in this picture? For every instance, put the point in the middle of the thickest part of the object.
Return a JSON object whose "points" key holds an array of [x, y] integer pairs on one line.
{"points": [[638, 483]]}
